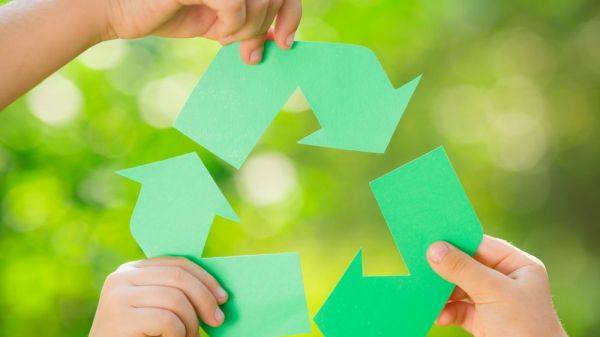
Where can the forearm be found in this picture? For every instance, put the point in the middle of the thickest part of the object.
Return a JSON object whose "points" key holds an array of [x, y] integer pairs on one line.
{"points": [[37, 37]]}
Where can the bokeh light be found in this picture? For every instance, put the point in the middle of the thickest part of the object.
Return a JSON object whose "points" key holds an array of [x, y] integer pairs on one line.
{"points": [[56, 101]]}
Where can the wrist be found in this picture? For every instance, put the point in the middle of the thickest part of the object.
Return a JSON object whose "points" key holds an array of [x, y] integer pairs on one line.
{"points": [[89, 18]]}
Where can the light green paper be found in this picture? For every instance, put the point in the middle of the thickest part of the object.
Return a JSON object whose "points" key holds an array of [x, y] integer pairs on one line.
{"points": [[266, 295], [173, 215], [350, 94], [422, 202], [176, 206]]}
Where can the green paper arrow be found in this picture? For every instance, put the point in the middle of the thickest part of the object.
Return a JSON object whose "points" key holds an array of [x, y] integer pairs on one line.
{"points": [[173, 215], [422, 202], [266, 295], [351, 96], [176, 206]]}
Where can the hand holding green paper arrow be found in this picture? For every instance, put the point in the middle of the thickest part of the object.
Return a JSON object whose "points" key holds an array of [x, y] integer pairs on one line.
{"points": [[173, 215], [422, 202]]}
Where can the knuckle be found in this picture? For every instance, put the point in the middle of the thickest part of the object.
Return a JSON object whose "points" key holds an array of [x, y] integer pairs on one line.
{"points": [[210, 281], [180, 261], [539, 268], [113, 279], [166, 319], [539, 264], [536, 265], [175, 299], [176, 274], [114, 294], [207, 297], [458, 265]]}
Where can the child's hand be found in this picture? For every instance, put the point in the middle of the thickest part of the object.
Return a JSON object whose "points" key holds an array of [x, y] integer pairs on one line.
{"points": [[158, 297], [502, 292], [223, 20]]}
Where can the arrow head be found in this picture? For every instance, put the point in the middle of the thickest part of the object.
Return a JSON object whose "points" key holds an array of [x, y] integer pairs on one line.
{"points": [[379, 306], [422, 202], [361, 118], [176, 206], [340, 308]]}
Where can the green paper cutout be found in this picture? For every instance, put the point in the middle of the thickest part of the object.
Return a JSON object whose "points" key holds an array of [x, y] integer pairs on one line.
{"points": [[422, 202], [176, 206], [351, 96], [173, 215], [266, 295]]}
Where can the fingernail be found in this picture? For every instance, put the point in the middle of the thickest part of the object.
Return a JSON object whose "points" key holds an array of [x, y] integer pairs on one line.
{"points": [[219, 315], [221, 294], [290, 40], [256, 56], [437, 251]]}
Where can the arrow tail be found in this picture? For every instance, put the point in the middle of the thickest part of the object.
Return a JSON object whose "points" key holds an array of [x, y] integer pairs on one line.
{"points": [[266, 295]]}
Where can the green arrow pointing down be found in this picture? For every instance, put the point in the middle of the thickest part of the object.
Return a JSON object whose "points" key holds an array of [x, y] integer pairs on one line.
{"points": [[422, 202], [350, 94], [173, 215]]}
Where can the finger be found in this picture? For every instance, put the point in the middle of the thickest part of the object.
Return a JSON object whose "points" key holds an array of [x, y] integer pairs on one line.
{"points": [[271, 33], [502, 256], [200, 273], [252, 50], [257, 12], [458, 314], [189, 21], [274, 7], [171, 299], [459, 268], [232, 15], [288, 20], [201, 298], [158, 322]]}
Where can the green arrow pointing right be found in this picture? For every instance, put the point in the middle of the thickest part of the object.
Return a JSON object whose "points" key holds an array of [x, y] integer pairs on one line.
{"points": [[422, 202]]}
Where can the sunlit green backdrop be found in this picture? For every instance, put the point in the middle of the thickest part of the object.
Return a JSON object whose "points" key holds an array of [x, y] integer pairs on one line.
{"points": [[510, 88]]}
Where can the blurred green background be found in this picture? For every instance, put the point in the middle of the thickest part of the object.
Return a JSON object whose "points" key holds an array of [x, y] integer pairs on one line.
{"points": [[510, 88]]}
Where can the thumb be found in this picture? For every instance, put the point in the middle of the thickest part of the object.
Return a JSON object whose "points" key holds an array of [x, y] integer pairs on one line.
{"points": [[461, 269]]}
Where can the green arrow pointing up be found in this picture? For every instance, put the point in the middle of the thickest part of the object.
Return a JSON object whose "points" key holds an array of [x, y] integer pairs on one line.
{"points": [[176, 206], [351, 96], [173, 215], [422, 202]]}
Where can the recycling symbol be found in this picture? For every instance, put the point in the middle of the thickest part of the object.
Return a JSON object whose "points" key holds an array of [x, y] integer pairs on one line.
{"points": [[358, 109]]}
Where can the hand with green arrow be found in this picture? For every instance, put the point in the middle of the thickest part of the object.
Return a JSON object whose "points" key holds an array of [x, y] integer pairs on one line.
{"points": [[422, 202], [502, 291], [173, 215], [164, 296]]}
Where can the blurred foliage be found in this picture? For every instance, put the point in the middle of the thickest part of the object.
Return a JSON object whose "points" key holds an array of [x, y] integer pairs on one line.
{"points": [[510, 88]]}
